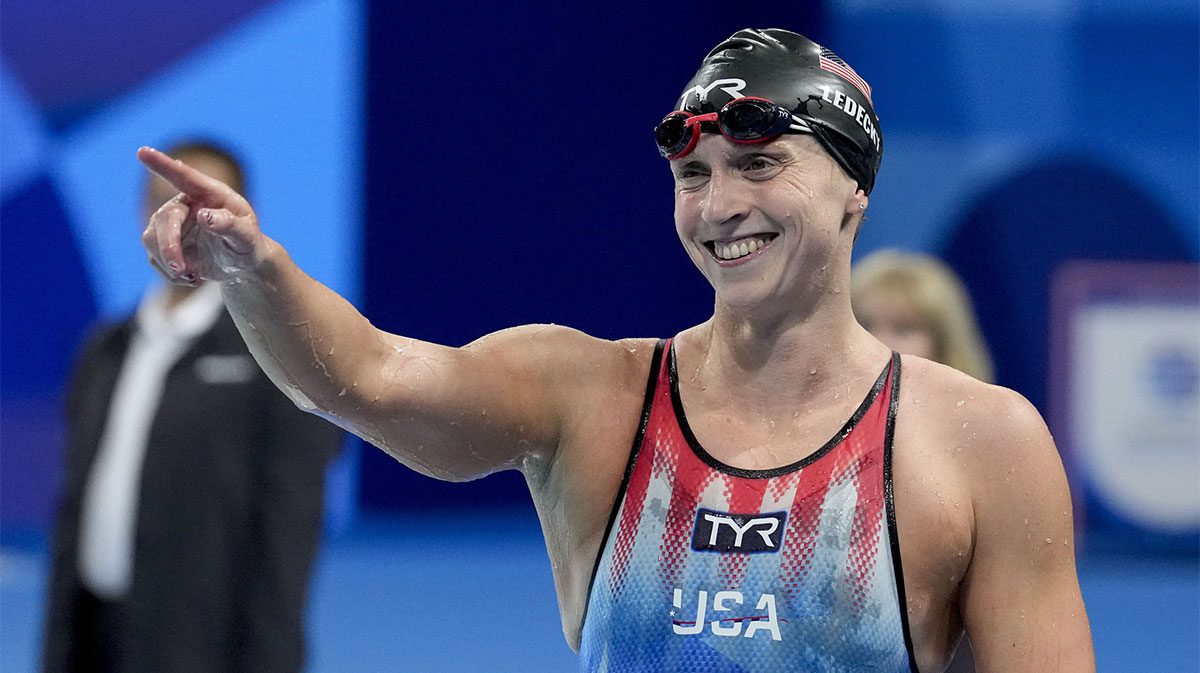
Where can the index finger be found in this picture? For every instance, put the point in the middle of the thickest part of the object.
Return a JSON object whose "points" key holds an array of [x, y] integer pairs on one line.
{"points": [[187, 179]]}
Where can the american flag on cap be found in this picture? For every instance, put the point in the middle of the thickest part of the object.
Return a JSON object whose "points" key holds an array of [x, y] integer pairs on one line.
{"points": [[834, 64]]}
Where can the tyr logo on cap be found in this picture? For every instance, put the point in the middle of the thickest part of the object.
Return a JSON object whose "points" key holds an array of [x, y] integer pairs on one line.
{"points": [[740, 533], [732, 86]]}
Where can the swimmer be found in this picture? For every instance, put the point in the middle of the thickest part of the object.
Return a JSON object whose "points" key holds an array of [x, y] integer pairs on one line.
{"points": [[771, 490]]}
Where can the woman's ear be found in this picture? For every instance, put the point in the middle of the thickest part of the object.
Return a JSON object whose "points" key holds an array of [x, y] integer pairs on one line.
{"points": [[857, 203]]}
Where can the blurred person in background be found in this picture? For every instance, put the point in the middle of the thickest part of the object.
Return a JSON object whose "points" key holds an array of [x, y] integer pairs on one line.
{"points": [[192, 503], [917, 305]]}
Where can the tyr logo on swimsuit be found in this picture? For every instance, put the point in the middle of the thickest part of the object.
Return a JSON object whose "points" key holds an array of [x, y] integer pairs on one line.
{"points": [[739, 533]]}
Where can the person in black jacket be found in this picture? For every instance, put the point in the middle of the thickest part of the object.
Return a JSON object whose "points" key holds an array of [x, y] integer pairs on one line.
{"points": [[192, 500]]}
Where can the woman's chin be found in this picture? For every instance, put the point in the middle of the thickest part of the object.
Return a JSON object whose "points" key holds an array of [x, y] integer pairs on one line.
{"points": [[743, 297]]}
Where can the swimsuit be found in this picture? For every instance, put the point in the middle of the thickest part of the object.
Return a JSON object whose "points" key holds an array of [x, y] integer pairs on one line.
{"points": [[707, 567]]}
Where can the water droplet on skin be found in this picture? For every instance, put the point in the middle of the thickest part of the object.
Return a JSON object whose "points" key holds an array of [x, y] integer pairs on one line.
{"points": [[1049, 541], [965, 424], [960, 403], [812, 371]]}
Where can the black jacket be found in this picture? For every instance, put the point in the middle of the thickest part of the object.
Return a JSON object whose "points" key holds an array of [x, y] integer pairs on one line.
{"points": [[228, 518]]}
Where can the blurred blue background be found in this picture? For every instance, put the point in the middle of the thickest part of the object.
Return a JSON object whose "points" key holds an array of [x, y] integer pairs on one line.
{"points": [[457, 170]]}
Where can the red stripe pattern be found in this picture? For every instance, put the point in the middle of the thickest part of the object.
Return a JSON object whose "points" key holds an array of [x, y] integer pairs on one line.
{"points": [[821, 595]]}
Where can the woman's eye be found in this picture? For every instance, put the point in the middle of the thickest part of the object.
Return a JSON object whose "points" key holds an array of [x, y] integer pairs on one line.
{"points": [[690, 178], [760, 165]]}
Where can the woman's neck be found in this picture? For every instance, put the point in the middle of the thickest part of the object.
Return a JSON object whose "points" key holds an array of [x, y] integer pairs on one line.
{"points": [[793, 356]]}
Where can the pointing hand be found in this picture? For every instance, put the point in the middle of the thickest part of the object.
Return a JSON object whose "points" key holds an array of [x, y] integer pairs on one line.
{"points": [[206, 232]]}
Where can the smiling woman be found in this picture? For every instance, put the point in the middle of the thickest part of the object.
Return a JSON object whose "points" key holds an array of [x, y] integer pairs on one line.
{"points": [[765, 223], [739, 495]]}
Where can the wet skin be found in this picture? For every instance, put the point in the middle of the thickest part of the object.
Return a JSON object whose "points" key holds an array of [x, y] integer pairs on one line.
{"points": [[982, 508]]}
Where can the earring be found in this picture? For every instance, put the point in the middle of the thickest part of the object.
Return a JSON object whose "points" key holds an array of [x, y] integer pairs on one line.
{"points": [[862, 206]]}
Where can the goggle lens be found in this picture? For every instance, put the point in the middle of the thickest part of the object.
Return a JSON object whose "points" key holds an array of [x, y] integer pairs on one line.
{"points": [[752, 120], [673, 134]]}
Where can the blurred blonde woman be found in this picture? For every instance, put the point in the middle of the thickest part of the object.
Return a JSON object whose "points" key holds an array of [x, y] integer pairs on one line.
{"points": [[916, 305]]}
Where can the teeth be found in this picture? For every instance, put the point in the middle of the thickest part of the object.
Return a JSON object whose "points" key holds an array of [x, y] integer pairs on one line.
{"points": [[738, 249]]}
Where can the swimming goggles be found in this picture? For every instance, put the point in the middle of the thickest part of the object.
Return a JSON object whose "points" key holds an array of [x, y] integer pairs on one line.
{"points": [[746, 121]]}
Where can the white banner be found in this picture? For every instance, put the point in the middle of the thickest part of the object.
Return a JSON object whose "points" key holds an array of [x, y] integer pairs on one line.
{"points": [[1135, 409]]}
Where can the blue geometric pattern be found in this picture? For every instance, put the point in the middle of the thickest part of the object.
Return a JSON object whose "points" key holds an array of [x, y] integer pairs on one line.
{"points": [[283, 88], [1004, 86], [22, 135]]}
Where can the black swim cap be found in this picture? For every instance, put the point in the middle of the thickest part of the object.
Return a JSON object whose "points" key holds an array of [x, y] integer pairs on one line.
{"points": [[804, 77]]}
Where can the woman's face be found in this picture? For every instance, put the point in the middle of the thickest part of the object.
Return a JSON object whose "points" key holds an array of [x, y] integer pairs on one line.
{"points": [[893, 319], [763, 222]]}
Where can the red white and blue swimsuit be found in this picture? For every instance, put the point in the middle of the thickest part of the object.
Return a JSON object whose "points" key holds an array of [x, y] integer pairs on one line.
{"points": [[707, 567]]}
